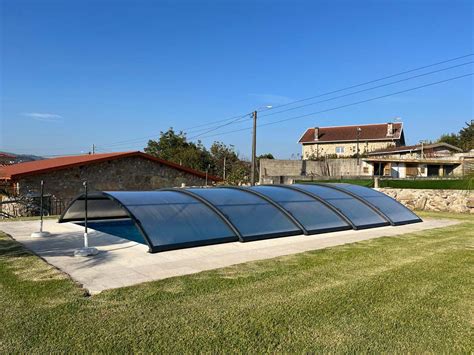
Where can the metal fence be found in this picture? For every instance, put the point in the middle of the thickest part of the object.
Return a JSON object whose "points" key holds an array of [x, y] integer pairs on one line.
{"points": [[28, 206]]}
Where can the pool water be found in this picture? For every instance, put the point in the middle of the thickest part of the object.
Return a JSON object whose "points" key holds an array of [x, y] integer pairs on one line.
{"points": [[122, 228]]}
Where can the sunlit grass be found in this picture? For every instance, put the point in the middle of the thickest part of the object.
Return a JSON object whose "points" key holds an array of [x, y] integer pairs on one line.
{"points": [[409, 293]]}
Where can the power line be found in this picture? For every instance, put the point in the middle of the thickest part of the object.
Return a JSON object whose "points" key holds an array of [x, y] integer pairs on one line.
{"points": [[352, 86], [237, 117], [345, 95], [368, 89], [344, 106], [375, 80]]}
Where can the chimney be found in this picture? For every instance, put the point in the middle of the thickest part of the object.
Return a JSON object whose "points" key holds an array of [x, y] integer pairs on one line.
{"points": [[389, 129], [316, 133]]}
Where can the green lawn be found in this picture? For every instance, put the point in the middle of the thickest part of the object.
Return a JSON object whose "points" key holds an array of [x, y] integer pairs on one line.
{"points": [[411, 293]]}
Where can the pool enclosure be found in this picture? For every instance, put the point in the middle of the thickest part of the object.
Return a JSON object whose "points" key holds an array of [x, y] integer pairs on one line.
{"points": [[178, 218]]}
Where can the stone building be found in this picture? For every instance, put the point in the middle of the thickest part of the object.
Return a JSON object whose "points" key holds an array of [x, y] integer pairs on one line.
{"points": [[346, 141], [64, 176]]}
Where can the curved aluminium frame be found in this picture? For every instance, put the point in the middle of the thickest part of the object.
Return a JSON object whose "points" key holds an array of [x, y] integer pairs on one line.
{"points": [[364, 194], [244, 209], [324, 202], [212, 207], [136, 221], [277, 205], [200, 218], [357, 197]]}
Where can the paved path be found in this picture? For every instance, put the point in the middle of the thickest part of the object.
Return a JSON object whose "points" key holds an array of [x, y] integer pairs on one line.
{"points": [[124, 263]]}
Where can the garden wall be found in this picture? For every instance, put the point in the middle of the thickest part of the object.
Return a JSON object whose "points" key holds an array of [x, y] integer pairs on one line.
{"points": [[459, 201]]}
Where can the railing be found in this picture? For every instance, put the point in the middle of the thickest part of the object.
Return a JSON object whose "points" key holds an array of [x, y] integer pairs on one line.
{"points": [[30, 206]]}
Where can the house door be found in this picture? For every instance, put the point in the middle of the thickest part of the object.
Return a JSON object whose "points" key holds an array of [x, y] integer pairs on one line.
{"points": [[411, 170], [433, 170], [378, 169]]}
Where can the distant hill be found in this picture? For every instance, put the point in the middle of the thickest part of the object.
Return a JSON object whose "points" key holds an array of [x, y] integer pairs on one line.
{"points": [[21, 158]]}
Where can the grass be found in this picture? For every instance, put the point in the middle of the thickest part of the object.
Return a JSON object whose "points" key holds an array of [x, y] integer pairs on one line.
{"points": [[410, 293]]}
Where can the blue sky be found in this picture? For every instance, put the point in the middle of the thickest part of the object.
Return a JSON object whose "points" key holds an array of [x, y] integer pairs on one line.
{"points": [[74, 73]]}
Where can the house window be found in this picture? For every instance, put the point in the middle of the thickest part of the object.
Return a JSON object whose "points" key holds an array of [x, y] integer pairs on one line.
{"points": [[339, 150], [366, 169]]}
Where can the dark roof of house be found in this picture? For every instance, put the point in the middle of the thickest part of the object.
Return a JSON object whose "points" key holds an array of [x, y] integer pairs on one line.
{"points": [[368, 132], [417, 147], [46, 165]]}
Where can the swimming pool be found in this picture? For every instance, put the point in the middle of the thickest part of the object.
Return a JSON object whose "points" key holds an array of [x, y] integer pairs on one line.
{"points": [[124, 228]]}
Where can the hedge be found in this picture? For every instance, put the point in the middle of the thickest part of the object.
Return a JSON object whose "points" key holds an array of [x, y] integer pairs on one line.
{"points": [[458, 184]]}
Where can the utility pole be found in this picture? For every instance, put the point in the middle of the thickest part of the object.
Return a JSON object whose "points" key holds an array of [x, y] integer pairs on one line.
{"points": [[93, 148], [207, 172], [358, 137], [254, 149], [223, 174]]}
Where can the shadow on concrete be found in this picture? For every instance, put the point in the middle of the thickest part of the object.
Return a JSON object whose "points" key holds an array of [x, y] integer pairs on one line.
{"points": [[64, 245]]}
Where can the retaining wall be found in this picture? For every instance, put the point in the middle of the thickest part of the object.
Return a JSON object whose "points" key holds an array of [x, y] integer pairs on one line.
{"points": [[275, 171], [459, 201]]}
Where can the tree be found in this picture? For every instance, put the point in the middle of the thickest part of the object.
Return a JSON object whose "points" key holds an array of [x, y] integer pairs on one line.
{"points": [[451, 138], [221, 153], [464, 139], [266, 156], [174, 147]]}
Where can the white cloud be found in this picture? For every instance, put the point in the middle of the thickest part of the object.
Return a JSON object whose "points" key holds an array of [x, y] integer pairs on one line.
{"points": [[45, 117], [271, 99]]}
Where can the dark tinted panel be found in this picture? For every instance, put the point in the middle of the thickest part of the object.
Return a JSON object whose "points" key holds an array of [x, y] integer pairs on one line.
{"points": [[251, 215], [359, 213], [172, 218], [311, 213], [394, 210]]}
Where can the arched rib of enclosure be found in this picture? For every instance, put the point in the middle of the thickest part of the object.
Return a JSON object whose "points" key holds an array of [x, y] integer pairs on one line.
{"points": [[252, 215], [101, 206], [276, 204], [313, 215], [211, 206], [359, 212], [170, 220], [397, 213], [324, 202]]}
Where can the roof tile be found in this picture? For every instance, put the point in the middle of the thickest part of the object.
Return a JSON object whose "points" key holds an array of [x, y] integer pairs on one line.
{"points": [[349, 133], [45, 165]]}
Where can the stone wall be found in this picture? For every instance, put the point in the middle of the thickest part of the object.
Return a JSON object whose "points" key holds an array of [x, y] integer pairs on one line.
{"points": [[275, 171], [131, 173], [459, 201]]}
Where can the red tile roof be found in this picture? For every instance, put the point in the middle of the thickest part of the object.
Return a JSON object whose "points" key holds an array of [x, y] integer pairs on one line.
{"points": [[6, 155], [349, 133], [42, 166]]}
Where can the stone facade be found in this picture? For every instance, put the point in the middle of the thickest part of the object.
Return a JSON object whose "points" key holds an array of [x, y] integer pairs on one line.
{"points": [[349, 148], [129, 173], [459, 201]]}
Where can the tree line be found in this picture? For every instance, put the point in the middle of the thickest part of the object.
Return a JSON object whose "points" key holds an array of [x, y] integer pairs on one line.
{"points": [[219, 160], [464, 139]]}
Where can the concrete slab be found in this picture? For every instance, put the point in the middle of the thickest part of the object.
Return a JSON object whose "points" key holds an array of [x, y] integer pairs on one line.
{"points": [[121, 262]]}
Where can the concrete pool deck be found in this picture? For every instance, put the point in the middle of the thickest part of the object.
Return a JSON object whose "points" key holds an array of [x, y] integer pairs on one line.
{"points": [[121, 262]]}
